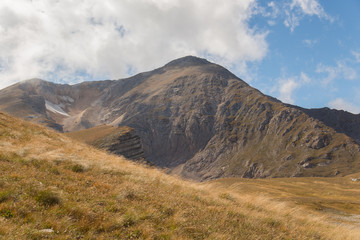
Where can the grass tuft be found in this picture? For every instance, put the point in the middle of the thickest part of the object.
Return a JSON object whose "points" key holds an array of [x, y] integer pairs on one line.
{"points": [[272, 222], [6, 213], [47, 198], [128, 221], [4, 196], [226, 196], [78, 168]]}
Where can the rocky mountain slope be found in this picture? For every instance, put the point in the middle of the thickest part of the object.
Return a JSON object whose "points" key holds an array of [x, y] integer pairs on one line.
{"points": [[117, 140], [200, 121], [341, 121]]}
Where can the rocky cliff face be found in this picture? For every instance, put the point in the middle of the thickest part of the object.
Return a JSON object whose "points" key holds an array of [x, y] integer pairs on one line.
{"points": [[117, 140], [126, 144], [341, 121], [203, 122]]}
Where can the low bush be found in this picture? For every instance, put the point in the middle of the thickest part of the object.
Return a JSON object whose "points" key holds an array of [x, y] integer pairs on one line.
{"points": [[78, 168], [47, 198]]}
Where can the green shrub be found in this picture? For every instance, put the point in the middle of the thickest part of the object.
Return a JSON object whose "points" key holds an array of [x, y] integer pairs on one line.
{"points": [[6, 213], [226, 196], [77, 168], [4, 196], [128, 221], [134, 234], [272, 222], [47, 198], [54, 171]]}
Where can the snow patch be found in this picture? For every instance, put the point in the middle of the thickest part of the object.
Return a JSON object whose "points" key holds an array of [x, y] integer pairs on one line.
{"points": [[55, 108]]}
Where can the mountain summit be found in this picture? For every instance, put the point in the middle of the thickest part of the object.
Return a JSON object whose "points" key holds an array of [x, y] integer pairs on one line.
{"points": [[187, 62], [199, 120]]}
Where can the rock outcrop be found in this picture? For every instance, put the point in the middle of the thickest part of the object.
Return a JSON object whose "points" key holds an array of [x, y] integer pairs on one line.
{"points": [[126, 144], [341, 121], [117, 140]]}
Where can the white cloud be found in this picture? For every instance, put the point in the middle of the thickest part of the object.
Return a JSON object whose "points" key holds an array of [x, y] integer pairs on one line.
{"points": [[310, 7], [271, 10], [304, 78], [341, 104], [287, 86], [271, 23], [75, 40], [341, 71], [299, 8], [292, 20], [332, 73], [310, 42], [286, 90], [356, 55], [275, 9], [293, 11]]}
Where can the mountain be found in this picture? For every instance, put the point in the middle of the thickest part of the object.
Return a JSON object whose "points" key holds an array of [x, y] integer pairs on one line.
{"points": [[54, 105], [200, 121]]}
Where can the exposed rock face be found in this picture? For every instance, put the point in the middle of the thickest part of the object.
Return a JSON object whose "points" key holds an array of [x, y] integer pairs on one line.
{"points": [[127, 145], [203, 122], [69, 105], [117, 140], [341, 121]]}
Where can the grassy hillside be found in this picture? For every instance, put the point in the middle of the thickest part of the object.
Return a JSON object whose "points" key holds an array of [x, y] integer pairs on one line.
{"points": [[90, 136], [336, 198], [54, 187]]}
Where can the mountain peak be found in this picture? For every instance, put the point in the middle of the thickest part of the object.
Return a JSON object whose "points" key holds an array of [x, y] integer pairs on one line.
{"points": [[34, 80], [200, 121], [187, 61]]}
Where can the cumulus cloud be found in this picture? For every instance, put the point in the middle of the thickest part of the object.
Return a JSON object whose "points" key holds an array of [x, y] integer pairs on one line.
{"points": [[71, 41], [287, 86], [286, 90], [341, 104]]}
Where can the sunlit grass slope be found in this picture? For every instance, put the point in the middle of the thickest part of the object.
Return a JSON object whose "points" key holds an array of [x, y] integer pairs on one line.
{"points": [[90, 136], [336, 198], [54, 187]]}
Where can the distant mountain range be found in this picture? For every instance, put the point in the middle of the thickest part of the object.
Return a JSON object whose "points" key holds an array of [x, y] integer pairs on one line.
{"points": [[200, 121]]}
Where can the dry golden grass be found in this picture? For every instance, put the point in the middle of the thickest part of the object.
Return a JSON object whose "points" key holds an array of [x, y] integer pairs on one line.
{"points": [[48, 181], [337, 199], [89, 136]]}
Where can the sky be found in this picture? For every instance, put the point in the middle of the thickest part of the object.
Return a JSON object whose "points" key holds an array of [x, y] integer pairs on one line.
{"points": [[303, 52]]}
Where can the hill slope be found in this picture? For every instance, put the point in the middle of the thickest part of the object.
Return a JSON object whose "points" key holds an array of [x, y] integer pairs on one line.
{"points": [[117, 140], [202, 122], [54, 187], [337, 198]]}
